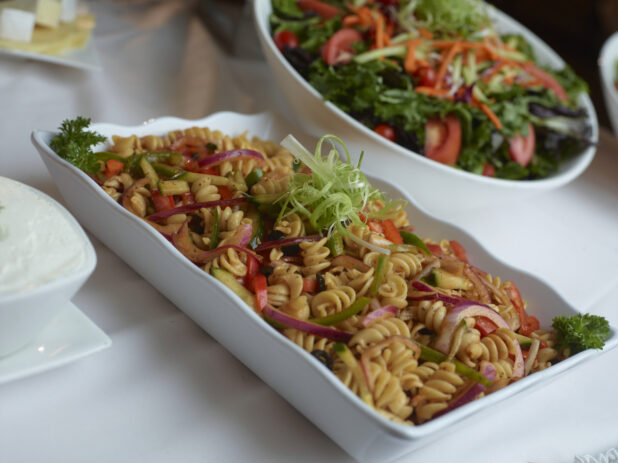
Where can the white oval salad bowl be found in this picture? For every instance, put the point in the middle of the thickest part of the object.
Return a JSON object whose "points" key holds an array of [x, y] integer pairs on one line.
{"points": [[292, 372], [439, 188], [608, 68]]}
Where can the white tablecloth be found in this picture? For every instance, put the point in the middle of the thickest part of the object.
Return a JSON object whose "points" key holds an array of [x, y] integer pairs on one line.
{"points": [[166, 391]]}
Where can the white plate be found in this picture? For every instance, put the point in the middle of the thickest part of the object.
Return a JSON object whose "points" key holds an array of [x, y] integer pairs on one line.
{"points": [[291, 371], [85, 58], [69, 337]]}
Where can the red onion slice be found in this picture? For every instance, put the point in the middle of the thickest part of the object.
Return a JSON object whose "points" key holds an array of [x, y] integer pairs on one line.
{"points": [[207, 256], [350, 262], [194, 207], [473, 309], [223, 156], [307, 327], [182, 241], [388, 310], [286, 242], [433, 294], [472, 391], [241, 236]]}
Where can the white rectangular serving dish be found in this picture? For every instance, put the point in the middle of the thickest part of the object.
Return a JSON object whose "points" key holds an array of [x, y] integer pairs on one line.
{"points": [[292, 372]]}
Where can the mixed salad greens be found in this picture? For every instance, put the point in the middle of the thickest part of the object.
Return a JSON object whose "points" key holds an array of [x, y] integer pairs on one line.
{"points": [[436, 77]]}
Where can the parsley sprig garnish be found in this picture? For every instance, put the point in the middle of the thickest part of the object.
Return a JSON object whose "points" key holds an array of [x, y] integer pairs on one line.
{"points": [[74, 143]]}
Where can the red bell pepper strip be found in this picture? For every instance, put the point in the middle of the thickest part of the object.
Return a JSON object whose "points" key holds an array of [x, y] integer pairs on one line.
{"points": [[375, 226], [485, 326], [114, 167], [224, 192], [390, 232], [459, 250], [260, 288], [206, 170], [188, 198], [435, 249], [530, 324], [310, 285], [518, 303], [252, 270], [162, 203]]}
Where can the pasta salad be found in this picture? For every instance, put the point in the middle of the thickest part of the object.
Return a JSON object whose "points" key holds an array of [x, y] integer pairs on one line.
{"points": [[409, 325]]}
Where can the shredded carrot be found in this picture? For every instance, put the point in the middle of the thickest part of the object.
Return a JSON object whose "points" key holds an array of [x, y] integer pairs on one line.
{"points": [[380, 31], [351, 20], [422, 62], [531, 83], [437, 92], [455, 49], [425, 33], [491, 115], [364, 14], [463, 44], [409, 63]]}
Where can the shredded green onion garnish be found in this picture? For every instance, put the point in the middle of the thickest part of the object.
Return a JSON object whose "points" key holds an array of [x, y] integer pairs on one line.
{"points": [[335, 193]]}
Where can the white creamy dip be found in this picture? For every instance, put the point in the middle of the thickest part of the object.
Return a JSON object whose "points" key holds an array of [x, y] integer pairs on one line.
{"points": [[38, 242]]}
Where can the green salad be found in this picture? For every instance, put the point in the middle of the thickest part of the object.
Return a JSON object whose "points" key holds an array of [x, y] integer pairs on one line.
{"points": [[436, 77]]}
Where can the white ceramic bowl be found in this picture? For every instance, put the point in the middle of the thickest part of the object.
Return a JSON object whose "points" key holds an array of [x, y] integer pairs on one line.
{"points": [[292, 372], [607, 69], [441, 189], [25, 310]]}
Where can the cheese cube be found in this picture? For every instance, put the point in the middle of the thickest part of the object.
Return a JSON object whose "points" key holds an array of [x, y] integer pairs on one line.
{"points": [[69, 11], [16, 25], [48, 13]]}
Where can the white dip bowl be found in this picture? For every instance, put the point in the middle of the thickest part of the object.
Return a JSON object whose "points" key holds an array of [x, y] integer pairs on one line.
{"points": [[45, 257]]}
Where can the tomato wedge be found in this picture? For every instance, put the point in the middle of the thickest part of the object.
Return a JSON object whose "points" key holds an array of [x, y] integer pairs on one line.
{"points": [[338, 48], [489, 170], [323, 10], [113, 167], [386, 131], [310, 285], [530, 324], [485, 326], [162, 203], [285, 38], [390, 232], [521, 149], [547, 79], [443, 140], [459, 250]]}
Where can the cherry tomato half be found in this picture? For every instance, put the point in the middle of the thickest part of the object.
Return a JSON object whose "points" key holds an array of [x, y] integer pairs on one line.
{"points": [[443, 139], [340, 43], [285, 38], [489, 170], [386, 131], [426, 76], [521, 149], [324, 10]]}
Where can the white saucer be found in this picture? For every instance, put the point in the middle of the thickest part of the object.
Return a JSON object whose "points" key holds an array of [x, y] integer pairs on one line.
{"points": [[69, 337], [85, 58]]}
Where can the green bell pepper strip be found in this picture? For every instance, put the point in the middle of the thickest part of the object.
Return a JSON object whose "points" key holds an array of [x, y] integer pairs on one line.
{"points": [[377, 279], [215, 230], [168, 157], [411, 238], [335, 244], [258, 227], [430, 355], [254, 176], [352, 309]]}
